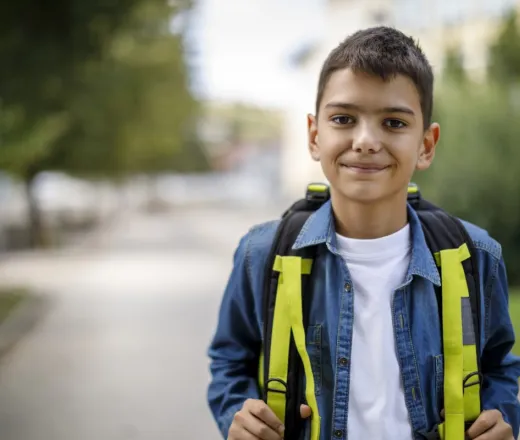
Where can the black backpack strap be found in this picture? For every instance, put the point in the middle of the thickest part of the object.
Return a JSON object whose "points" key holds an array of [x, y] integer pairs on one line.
{"points": [[288, 230], [444, 231]]}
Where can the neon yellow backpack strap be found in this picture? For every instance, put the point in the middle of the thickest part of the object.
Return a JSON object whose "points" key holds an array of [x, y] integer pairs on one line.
{"points": [[461, 388], [283, 336], [279, 351], [288, 319], [292, 271]]}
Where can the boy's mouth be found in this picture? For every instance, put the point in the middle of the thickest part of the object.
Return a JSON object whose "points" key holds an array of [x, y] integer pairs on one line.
{"points": [[364, 168]]}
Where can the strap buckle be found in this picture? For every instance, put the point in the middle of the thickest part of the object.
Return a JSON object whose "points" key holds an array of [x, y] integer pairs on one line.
{"points": [[414, 194], [434, 433], [317, 192], [479, 381], [274, 390]]}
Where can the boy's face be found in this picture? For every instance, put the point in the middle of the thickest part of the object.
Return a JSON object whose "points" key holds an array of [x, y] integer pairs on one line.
{"points": [[369, 136]]}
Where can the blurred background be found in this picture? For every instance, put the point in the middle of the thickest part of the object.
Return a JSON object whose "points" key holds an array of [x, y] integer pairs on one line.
{"points": [[139, 139]]}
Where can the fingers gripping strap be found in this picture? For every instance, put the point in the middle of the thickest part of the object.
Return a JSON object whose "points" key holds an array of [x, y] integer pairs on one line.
{"points": [[292, 271], [460, 360]]}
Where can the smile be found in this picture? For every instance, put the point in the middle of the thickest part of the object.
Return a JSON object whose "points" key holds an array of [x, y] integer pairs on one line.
{"points": [[364, 169]]}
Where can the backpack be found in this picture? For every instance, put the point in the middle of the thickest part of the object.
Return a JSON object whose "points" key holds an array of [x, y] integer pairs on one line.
{"points": [[285, 372]]}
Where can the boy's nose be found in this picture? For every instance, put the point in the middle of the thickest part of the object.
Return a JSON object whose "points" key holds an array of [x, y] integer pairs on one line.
{"points": [[365, 142]]}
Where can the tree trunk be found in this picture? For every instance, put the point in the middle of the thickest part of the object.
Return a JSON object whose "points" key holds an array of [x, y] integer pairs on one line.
{"points": [[36, 233]]}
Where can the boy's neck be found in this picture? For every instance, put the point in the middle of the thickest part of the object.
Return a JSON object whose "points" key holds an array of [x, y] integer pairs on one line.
{"points": [[369, 221]]}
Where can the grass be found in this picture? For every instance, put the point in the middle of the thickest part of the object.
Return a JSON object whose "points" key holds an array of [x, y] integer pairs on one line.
{"points": [[9, 299], [514, 310]]}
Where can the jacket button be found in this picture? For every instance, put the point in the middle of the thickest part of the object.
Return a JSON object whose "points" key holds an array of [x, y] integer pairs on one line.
{"points": [[338, 433], [343, 362], [348, 287]]}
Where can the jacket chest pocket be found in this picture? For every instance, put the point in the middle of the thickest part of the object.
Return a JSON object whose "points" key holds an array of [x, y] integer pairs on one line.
{"points": [[314, 349]]}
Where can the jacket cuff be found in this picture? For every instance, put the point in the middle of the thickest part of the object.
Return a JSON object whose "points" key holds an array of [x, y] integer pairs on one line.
{"points": [[227, 419]]}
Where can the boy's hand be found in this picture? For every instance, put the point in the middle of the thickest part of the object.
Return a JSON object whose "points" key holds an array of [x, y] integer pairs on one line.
{"points": [[490, 425], [256, 421]]}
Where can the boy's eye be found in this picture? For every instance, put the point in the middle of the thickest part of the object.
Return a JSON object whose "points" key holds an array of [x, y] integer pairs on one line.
{"points": [[342, 120], [394, 123]]}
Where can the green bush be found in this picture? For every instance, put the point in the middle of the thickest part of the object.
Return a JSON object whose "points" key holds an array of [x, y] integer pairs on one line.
{"points": [[514, 310], [476, 171]]}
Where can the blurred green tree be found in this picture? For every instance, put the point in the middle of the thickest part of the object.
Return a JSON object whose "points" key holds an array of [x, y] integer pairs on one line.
{"points": [[97, 88], [475, 172], [504, 53], [454, 67]]}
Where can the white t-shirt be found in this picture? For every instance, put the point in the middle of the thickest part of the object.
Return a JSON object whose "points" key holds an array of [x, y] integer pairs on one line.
{"points": [[377, 409]]}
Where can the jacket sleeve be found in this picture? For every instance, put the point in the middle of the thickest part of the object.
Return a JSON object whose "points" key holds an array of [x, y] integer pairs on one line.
{"points": [[500, 368], [235, 348]]}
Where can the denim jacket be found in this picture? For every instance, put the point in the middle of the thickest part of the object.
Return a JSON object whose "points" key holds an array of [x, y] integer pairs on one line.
{"points": [[234, 350]]}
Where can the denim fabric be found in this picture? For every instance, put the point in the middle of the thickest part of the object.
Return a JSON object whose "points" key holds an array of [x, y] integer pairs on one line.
{"points": [[235, 347]]}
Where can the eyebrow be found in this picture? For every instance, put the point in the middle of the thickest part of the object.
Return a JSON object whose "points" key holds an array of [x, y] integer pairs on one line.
{"points": [[349, 106]]}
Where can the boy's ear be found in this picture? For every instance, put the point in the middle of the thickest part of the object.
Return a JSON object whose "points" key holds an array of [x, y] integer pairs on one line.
{"points": [[312, 128], [427, 150]]}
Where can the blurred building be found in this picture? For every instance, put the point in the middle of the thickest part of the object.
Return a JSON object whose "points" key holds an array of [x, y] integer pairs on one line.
{"points": [[440, 25]]}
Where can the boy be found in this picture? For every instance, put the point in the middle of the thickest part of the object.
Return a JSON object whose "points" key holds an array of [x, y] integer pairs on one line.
{"points": [[377, 365]]}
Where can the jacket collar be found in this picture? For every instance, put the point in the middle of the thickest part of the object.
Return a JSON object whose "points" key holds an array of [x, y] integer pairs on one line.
{"points": [[320, 228]]}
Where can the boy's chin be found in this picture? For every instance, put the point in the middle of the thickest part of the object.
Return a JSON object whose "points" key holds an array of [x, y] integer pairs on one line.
{"points": [[365, 193]]}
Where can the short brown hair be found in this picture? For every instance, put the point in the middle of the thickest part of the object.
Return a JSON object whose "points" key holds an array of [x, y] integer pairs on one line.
{"points": [[385, 52]]}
